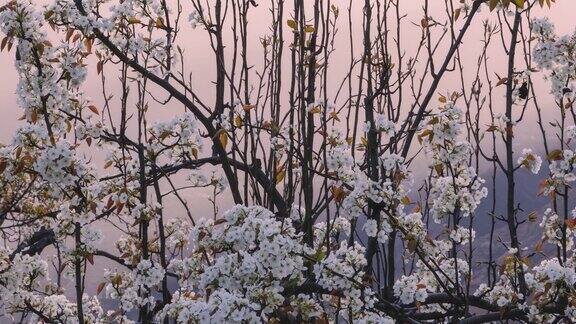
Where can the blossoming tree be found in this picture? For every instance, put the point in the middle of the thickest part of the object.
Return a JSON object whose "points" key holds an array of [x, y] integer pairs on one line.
{"points": [[333, 219]]}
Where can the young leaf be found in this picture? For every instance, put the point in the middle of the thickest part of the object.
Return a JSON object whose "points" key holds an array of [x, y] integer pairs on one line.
{"points": [[280, 175], [247, 108], [133, 20], [223, 137], [533, 216], [94, 109], [555, 155], [457, 13], [502, 81], [412, 245], [100, 287], [99, 67], [405, 200], [492, 4], [160, 23], [424, 22], [292, 24], [519, 3], [3, 164]]}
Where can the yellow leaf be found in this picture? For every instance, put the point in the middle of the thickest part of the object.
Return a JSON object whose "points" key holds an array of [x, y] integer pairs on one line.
{"points": [[223, 138], [160, 23], [238, 122], [439, 169], [164, 135], [493, 3], [533, 217], [309, 29], [116, 280], [334, 116], [280, 175], [247, 108], [316, 110], [292, 24], [405, 200], [555, 155], [519, 3], [48, 14], [338, 193], [133, 20]]}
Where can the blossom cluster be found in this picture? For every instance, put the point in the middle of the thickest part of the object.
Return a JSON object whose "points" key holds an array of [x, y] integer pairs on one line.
{"points": [[255, 260], [456, 187], [556, 55]]}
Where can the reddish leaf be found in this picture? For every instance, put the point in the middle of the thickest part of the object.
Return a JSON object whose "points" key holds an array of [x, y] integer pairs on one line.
{"points": [[94, 109]]}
